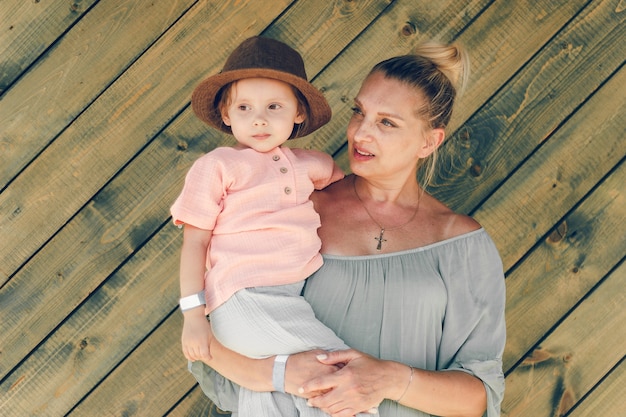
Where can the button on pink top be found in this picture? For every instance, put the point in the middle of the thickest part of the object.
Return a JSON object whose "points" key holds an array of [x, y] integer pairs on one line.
{"points": [[257, 205]]}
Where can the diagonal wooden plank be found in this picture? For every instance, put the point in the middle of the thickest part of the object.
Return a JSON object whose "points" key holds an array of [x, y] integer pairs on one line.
{"points": [[559, 174], [504, 38], [48, 98], [574, 357], [607, 399], [145, 391], [528, 109], [558, 273], [318, 30], [28, 29], [104, 330], [195, 403]]}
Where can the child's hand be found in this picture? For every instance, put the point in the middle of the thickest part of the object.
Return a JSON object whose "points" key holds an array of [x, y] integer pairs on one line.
{"points": [[197, 336]]}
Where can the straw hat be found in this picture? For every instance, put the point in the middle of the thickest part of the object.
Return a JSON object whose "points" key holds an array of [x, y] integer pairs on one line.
{"points": [[260, 57]]}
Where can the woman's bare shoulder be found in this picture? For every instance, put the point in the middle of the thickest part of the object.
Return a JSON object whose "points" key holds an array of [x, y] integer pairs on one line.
{"points": [[450, 223], [461, 224]]}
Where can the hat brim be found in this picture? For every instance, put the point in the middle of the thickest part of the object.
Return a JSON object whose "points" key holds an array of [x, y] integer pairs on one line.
{"points": [[204, 105]]}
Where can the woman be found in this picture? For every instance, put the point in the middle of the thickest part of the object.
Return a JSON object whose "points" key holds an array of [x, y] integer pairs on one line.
{"points": [[415, 287]]}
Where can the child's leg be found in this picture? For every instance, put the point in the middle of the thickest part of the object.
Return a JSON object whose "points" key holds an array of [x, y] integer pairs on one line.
{"points": [[265, 321]]}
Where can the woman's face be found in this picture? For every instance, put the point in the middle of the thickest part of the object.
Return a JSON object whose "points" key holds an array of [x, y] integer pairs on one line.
{"points": [[386, 139]]}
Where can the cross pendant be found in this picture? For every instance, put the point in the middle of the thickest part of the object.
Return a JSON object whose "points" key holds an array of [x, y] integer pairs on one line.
{"points": [[380, 239]]}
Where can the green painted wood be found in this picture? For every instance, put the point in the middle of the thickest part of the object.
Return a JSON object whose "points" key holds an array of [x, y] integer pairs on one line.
{"points": [[320, 29], [195, 403], [503, 39], [606, 399], [77, 69], [137, 389], [574, 357], [529, 108], [29, 28], [101, 333], [107, 231], [569, 164], [563, 268]]}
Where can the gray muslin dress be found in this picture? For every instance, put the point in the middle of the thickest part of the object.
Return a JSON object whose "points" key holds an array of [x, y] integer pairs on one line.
{"points": [[438, 307]]}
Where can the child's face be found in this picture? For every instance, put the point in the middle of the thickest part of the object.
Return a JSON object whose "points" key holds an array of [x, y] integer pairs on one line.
{"points": [[261, 113]]}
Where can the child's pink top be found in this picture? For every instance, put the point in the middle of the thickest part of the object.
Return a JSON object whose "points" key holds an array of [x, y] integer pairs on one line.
{"points": [[257, 205]]}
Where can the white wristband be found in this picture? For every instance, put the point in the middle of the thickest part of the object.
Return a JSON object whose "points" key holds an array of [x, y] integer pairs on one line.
{"points": [[278, 373], [192, 301]]}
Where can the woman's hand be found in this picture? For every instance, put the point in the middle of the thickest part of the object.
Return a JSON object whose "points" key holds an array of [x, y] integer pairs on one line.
{"points": [[360, 385], [197, 336], [304, 366], [364, 382]]}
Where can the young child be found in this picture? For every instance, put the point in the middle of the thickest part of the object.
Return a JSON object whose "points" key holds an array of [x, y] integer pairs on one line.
{"points": [[250, 230]]}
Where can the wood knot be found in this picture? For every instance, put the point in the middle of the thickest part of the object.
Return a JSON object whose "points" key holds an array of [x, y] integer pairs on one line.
{"points": [[83, 344], [182, 145], [409, 29], [537, 356], [476, 170], [558, 233]]}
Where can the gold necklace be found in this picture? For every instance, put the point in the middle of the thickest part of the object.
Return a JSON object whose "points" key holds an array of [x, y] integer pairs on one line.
{"points": [[380, 238]]}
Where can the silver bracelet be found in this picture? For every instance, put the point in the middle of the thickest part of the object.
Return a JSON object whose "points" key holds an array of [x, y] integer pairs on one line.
{"points": [[278, 373], [192, 301], [407, 385]]}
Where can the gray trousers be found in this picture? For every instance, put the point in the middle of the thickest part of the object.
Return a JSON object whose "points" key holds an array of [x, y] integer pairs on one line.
{"points": [[265, 321]]}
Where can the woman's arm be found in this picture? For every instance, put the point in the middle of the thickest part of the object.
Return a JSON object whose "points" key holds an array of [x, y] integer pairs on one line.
{"points": [[256, 374], [365, 381]]}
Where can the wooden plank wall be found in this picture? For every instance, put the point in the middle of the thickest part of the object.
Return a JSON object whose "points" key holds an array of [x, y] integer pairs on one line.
{"points": [[96, 135]]}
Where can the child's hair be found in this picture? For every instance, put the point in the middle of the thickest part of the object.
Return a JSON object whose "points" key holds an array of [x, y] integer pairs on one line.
{"points": [[222, 101], [439, 72]]}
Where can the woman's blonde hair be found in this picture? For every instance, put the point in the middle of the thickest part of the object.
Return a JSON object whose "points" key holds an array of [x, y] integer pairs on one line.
{"points": [[439, 72]]}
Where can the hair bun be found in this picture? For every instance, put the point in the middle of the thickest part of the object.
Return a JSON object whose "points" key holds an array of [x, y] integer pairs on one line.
{"points": [[450, 59]]}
